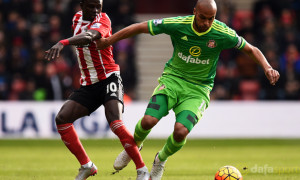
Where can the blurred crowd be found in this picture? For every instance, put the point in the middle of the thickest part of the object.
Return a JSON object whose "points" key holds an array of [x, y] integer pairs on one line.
{"points": [[29, 27], [272, 26]]}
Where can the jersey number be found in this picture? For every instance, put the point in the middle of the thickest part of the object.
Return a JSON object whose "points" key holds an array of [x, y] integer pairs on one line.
{"points": [[112, 87]]}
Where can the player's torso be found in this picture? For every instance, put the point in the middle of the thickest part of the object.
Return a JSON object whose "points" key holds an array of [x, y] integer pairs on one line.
{"points": [[195, 54], [193, 50], [95, 65]]}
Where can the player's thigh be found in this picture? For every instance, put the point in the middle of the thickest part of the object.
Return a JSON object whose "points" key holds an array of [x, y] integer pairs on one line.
{"points": [[87, 96], [95, 95], [158, 106], [113, 99], [71, 111], [190, 111], [113, 89], [163, 99]]}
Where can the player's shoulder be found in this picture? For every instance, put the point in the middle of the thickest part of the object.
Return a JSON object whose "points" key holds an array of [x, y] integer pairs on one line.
{"points": [[77, 16], [79, 13], [220, 24], [178, 20], [223, 28], [102, 17]]}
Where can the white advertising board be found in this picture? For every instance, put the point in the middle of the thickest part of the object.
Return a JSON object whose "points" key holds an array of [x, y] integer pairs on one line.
{"points": [[222, 119]]}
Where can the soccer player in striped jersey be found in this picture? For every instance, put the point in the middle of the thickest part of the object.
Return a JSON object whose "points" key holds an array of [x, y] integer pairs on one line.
{"points": [[188, 76], [100, 85]]}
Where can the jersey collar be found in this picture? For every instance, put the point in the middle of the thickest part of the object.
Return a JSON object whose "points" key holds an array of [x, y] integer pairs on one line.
{"points": [[196, 32]]}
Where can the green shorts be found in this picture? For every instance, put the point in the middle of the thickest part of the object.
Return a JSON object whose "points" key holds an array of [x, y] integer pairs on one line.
{"points": [[181, 96]]}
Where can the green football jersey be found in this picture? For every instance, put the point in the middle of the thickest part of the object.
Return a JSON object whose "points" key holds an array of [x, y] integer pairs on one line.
{"points": [[195, 54]]}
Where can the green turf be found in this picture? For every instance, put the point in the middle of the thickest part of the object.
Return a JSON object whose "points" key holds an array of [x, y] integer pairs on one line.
{"points": [[198, 160]]}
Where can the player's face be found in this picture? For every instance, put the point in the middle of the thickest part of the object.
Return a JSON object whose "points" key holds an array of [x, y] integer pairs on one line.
{"points": [[91, 8], [203, 19]]}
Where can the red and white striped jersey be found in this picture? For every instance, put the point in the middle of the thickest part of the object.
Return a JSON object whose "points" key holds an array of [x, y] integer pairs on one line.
{"points": [[95, 65]]}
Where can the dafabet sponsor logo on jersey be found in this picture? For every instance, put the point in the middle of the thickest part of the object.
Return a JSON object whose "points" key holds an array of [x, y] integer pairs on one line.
{"points": [[194, 52]]}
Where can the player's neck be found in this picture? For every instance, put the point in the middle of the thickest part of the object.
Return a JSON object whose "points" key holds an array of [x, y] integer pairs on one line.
{"points": [[196, 28], [86, 19]]}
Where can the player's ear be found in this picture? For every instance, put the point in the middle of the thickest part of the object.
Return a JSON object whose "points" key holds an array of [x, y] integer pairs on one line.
{"points": [[194, 11]]}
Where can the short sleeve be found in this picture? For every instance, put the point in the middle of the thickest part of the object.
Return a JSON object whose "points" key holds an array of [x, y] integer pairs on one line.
{"points": [[233, 40], [158, 26], [102, 25], [96, 26], [241, 43]]}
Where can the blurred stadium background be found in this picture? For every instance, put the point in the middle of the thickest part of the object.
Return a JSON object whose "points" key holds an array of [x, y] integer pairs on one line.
{"points": [[28, 28], [243, 104], [30, 85]]}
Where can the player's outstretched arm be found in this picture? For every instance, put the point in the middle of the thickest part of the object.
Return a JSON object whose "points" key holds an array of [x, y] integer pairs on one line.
{"points": [[79, 40], [252, 51], [127, 32]]}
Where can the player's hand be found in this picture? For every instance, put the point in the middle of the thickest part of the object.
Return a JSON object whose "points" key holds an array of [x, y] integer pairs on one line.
{"points": [[272, 75], [54, 52], [102, 43]]}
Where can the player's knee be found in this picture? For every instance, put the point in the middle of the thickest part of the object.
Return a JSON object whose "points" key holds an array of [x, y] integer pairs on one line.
{"points": [[180, 132], [59, 119], [148, 122]]}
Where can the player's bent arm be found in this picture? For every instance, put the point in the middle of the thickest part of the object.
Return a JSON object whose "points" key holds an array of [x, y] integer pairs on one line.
{"points": [[129, 31], [80, 40], [259, 58], [84, 38]]}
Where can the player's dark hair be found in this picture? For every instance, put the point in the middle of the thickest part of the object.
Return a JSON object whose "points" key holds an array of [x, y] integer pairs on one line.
{"points": [[82, 1]]}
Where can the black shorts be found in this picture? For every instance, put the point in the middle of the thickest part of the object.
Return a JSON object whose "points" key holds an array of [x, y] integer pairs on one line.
{"points": [[95, 95]]}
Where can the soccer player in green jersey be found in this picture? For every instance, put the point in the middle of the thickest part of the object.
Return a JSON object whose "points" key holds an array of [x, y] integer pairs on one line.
{"points": [[188, 76]]}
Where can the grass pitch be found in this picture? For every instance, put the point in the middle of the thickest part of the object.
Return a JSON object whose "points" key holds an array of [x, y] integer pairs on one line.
{"points": [[257, 159]]}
